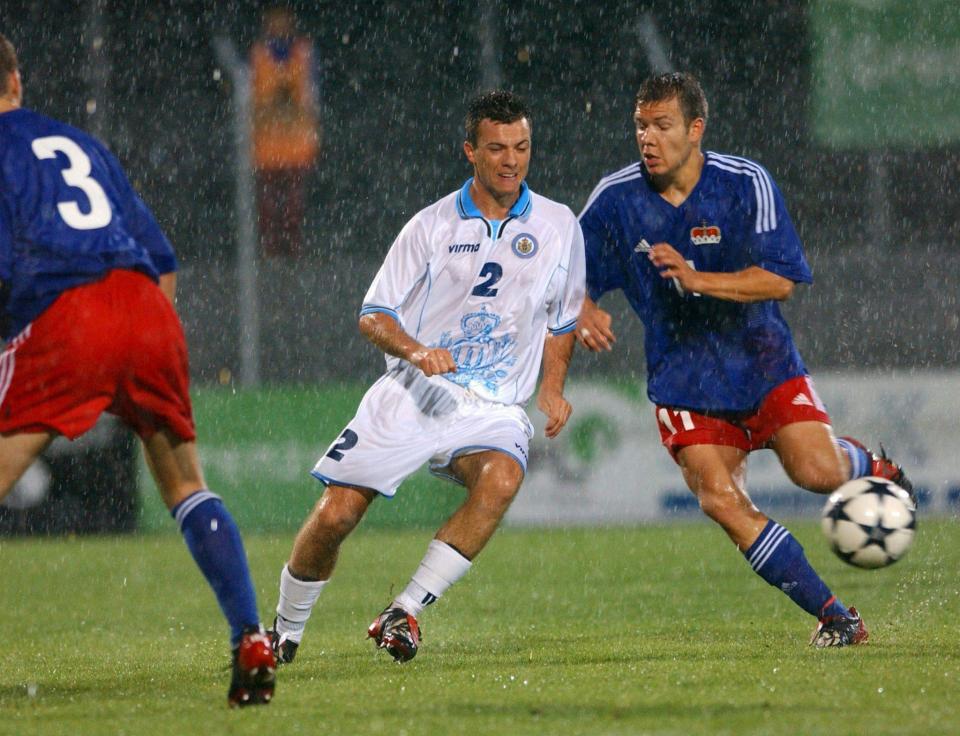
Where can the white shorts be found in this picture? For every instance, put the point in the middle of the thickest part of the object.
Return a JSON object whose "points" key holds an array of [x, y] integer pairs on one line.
{"points": [[406, 419]]}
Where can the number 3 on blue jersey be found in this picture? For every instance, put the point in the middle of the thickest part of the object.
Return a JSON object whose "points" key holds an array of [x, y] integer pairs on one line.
{"points": [[494, 272], [77, 174]]}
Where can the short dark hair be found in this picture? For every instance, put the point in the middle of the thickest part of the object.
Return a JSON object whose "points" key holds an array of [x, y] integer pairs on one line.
{"points": [[682, 85], [497, 105], [8, 62]]}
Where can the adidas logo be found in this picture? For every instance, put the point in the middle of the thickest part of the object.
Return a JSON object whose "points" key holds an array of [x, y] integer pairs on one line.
{"points": [[642, 247], [801, 400]]}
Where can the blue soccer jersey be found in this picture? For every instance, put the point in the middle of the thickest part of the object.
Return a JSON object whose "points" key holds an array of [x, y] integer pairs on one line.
{"points": [[68, 215], [703, 354]]}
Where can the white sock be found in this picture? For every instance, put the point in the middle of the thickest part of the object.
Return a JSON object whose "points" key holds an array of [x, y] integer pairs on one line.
{"points": [[440, 568], [295, 604]]}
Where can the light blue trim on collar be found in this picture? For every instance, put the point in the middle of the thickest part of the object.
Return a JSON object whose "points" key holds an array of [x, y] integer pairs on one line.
{"points": [[467, 209]]}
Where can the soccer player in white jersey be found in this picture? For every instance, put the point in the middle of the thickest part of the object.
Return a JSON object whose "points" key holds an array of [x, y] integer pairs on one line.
{"points": [[477, 290]]}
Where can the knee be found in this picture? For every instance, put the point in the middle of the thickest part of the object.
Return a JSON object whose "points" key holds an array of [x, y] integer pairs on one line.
{"points": [[724, 503], [498, 488], [334, 520]]}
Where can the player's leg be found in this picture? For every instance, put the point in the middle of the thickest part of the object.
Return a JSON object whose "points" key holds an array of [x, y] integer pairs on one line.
{"points": [[17, 453], [312, 561], [153, 397], [716, 476], [215, 544], [794, 423], [811, 456], [492, 479], [370, 457]]}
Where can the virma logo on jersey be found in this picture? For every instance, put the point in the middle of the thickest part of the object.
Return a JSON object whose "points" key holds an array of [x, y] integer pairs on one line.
{"points": [[463, 247]]}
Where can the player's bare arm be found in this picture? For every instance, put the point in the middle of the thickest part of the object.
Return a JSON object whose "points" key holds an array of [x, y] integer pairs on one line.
{"points": [[753, 284], [168, 285], [557, 350], [594, 327], [384, 332]]}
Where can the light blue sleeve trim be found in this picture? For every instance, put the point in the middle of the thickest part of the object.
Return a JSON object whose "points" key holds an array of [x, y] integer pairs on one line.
{"points": [[569, 327], [374, 308]]}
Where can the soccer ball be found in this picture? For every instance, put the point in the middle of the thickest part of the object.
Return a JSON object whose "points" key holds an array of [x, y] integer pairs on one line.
{"points": [[869, 522]]}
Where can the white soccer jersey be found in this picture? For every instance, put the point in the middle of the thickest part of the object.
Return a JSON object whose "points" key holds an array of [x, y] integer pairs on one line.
{"points": [[488, 291]]}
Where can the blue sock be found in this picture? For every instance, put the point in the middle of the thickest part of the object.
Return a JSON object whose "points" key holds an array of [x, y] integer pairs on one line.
{"points": [[778, 558], [860, 461], [214, 541]]}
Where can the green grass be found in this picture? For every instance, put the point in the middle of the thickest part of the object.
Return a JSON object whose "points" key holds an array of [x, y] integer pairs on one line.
{"points": [[659, 630]]}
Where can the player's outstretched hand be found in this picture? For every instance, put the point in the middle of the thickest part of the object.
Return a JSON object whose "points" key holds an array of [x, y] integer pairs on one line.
{"points": [[594, 329], [434, 361], [557, 409]]}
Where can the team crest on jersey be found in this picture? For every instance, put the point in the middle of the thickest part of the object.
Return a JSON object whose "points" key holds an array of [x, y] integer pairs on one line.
{"points": [[705, 235], [480, 358], [525, 245]]}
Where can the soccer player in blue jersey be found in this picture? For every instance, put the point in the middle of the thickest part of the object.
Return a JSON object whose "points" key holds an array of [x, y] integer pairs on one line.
{"points": [[703, 248], [477, 290], [87, 283]]}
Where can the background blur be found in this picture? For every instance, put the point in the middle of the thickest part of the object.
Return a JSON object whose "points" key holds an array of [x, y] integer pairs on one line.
{"points": [[852, 105]]}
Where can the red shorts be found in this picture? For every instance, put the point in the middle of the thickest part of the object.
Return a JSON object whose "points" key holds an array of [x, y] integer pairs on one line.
{"points": [[792, 401], [114, 345]]}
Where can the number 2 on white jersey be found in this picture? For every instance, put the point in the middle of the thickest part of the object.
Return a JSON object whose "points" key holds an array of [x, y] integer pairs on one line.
{"points": [[76, 175]]}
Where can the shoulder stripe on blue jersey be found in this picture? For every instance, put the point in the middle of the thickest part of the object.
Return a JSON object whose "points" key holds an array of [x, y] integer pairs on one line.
{"points": [[762, 185], [625, 174]]}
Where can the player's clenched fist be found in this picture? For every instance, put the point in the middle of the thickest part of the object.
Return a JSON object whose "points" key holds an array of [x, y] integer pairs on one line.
{"points": [[433, 361], [594, 327]]}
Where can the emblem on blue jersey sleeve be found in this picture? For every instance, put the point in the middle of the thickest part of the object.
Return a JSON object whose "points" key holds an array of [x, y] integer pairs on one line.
{"points": [[705, 234], [480, 357], [525, 245]]}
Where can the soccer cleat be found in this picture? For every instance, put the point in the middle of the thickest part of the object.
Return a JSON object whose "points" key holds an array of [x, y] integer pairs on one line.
{"points": [[883, 467], [840, 631], [284, 649], [396, 631], [254, 670]]}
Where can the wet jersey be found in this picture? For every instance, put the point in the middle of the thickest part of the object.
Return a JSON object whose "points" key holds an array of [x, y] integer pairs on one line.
{"points": [[68, 215], [703, 353], [488, 291]]}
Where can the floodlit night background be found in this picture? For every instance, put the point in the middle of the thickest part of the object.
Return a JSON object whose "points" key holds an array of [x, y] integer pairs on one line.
{"points": [[852, 105]]}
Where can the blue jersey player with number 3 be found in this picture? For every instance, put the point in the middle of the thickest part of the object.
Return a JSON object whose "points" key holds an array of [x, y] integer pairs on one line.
{"points": [[703, 248], [87, 283]]}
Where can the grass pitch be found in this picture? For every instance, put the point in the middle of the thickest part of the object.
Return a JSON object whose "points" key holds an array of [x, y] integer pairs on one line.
{"points": [[654, 630]]}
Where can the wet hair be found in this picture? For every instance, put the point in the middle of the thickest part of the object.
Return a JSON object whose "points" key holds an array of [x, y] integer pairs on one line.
{"points": [[682, 85], [8, 62], [497, 105]]}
